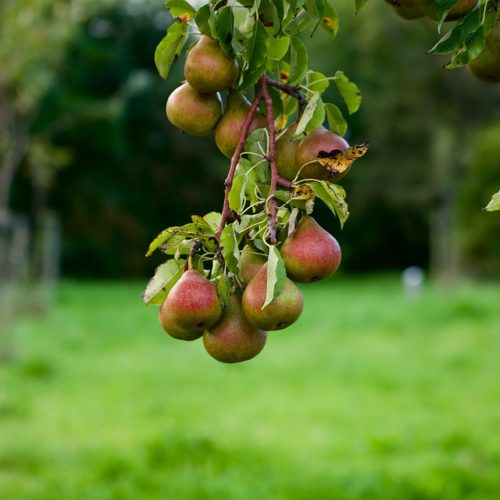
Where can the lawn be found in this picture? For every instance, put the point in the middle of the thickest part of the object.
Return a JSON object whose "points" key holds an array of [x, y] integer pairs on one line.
{"points": [[370, 395]]}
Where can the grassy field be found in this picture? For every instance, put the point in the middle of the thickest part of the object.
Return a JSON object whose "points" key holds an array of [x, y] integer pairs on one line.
{"points": [[369, 396]]}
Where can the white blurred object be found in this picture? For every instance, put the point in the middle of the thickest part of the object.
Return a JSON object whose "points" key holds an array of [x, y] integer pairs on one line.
{"points": [[413, 280]]}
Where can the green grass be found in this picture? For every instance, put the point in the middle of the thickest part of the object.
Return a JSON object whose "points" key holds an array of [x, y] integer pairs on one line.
{"points": [[369, 396]]}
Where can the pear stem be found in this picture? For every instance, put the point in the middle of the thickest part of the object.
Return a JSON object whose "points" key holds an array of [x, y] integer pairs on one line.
{"points": [[272, 202], [228, 183]]}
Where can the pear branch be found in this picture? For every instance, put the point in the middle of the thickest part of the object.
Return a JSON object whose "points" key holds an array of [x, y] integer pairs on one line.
{"points": [[272, 202], [290, 90], [228, 183]]}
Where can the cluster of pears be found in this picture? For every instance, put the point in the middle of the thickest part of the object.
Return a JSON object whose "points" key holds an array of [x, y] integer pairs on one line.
{"points": [[196, 106], [192, 308], [486, 66]]}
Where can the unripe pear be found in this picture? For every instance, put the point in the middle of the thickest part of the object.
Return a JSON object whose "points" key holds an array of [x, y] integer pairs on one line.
{"points": [[192, 304], [462, 7], [173, 329], [486, 66], [280, 313], [250, 264], [319, 140], [406, 9], [194, 113], [208, 68], [228, 130], [286, 150], [310, 253], [233, 338]]}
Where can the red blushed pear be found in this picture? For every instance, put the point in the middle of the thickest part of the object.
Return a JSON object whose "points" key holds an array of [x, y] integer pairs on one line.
{"points": [[194, 113], [233, 339], [228, 130], [284, 310], [320, 140], [173, 329], [192, 304], [208, 68], [310, 253]]}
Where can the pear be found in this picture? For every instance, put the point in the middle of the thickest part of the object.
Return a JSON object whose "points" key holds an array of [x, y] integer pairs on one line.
{"points": [[192, 304], [486, 66], [280, 313], [250, 263], [173, 329], [429, 7], [208, 68], [286, 150], [194, 113], [319, 140], [310, 253], [228, 130], [233, 338], [406, 9]]}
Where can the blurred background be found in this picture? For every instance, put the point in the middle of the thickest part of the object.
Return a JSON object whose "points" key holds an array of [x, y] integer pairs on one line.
{"points": [[374, 393]]}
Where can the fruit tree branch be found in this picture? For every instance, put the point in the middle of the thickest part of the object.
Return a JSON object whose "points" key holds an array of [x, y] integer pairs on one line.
{"points": [[293, 91], [226, 210], [272, 202]]}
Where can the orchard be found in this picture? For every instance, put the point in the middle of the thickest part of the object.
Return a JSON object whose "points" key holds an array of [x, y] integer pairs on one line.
{"points": [[230, 277]]}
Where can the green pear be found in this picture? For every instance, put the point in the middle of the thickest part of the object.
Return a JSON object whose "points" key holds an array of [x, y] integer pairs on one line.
{"points": [[406, 9], [318, 141], [250, 263], [286, 150], [208, 68], [192, 304], [228, 130], [233, 338], [194, 113], [284, 310], [310, 253], [486, 66], [173, 329], [462, 7]]}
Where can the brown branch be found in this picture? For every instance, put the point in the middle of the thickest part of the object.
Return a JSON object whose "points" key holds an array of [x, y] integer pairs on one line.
{"points": [[226, 210], [272, 202], [290, 90]]}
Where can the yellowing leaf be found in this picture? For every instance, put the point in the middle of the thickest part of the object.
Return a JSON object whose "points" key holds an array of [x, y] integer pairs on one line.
{"points": [[302, 192], [337, 163]]}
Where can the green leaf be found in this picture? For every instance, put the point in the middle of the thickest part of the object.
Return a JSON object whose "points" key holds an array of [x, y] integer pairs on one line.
{"points": [[333, 196], [349, 91], [276, 275], [213, 219], [180, 8], [458, 34], [317, 9], [255, 57], [202, 19], [317, 82], [330, 22], [222, 27], [359, 4], [298, 61], [170, 47], [494, 203], [237, 193], [165, 277], [308, 113], [336, 120], [230, 250], [223, 289], [278, 47]]}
